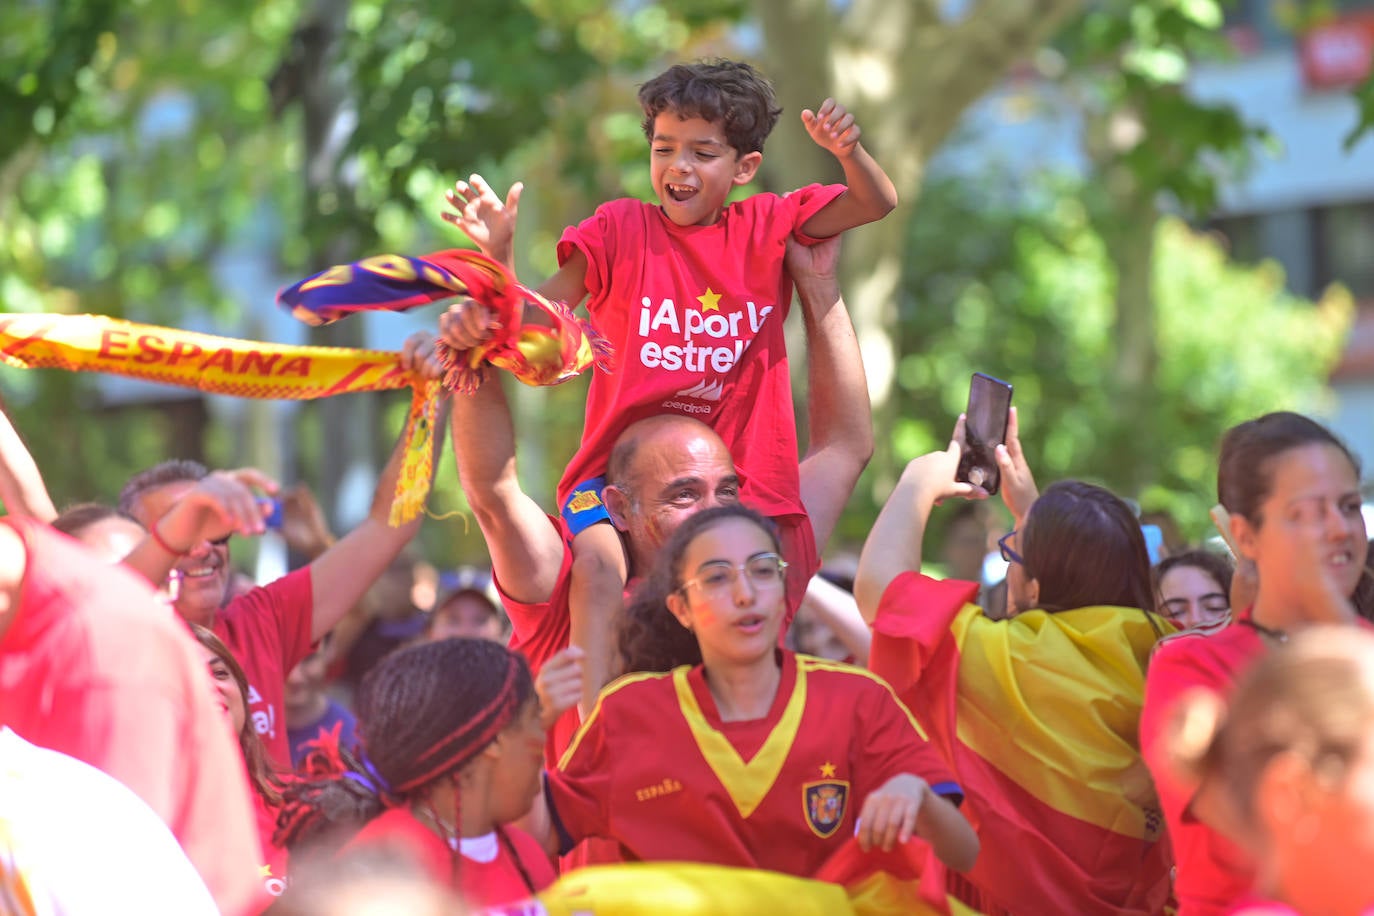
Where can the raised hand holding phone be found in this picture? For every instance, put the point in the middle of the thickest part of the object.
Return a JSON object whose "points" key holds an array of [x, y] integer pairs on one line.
{"points": [[1019, 489], [985, 428]]}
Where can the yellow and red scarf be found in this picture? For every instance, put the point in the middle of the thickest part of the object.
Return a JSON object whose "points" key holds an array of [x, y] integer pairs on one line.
{"points": [[222, 365], [553, 348]]}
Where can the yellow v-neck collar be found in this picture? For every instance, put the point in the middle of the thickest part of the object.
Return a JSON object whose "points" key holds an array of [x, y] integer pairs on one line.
{"points": [[746, 783]]}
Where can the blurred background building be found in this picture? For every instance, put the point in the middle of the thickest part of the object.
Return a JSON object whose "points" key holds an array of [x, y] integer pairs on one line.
{"points": [[1306, 203]]}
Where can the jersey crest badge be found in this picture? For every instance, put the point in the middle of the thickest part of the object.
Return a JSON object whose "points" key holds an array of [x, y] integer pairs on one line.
{"points": [[584, 500], [823, 804]]}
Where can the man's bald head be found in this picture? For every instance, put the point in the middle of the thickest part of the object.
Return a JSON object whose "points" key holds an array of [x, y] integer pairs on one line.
{"points": [[662, 470], [651, 430]]}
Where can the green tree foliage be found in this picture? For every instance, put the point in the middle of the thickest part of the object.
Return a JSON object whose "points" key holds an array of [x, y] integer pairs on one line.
{"points": [[911, 71], [1364, 97], [144, 140], [1024, 291]]}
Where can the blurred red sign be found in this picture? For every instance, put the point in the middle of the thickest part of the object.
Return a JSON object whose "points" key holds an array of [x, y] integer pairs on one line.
{"points": [[1339, 53]]}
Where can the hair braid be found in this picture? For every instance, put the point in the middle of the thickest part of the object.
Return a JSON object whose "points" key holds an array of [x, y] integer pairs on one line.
{"points": [[424, 712]]}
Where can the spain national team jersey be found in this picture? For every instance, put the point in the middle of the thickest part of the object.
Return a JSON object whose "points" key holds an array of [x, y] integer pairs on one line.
{"points": [[656, 769]]}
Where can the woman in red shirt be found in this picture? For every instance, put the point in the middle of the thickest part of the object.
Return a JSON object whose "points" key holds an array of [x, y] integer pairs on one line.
{"points": [[1293, 494], [1288, 764], [451, 753], [231, 691]]}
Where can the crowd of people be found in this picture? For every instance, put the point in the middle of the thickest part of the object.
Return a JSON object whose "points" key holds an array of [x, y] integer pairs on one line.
{"points": [[657, 700]]}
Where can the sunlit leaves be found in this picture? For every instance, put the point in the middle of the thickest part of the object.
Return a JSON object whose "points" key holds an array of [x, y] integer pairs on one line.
{"points": [[48, 55], [1158, 65], [1364, 97], [1032, 302], [1133, 59]]}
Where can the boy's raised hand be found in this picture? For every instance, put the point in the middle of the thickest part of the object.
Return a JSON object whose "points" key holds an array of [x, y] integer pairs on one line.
{"points": [[833, 128], [488, 221]]}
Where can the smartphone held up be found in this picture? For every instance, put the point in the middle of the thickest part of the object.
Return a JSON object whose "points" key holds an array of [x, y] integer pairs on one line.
{"points": [[985, 428]]}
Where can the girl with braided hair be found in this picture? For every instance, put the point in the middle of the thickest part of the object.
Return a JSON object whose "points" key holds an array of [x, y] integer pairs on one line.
{"points": [[451, 752]]}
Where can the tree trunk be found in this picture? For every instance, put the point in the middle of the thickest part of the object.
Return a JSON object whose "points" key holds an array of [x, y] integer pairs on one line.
{"points": [[1125, 215], [908, 75], [349, 456]]}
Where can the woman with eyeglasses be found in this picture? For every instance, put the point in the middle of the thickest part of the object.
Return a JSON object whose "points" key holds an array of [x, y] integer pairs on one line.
{"points": [[745, 754], [1037, 713]]}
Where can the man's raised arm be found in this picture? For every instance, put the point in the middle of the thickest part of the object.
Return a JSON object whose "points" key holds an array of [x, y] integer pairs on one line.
{"points": [[21, 485], [839, 413], [526, 549], [341, 575]]}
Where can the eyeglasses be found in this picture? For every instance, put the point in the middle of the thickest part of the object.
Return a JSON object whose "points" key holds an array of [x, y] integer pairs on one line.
{"points": [[763, 569], [1008, 552]]}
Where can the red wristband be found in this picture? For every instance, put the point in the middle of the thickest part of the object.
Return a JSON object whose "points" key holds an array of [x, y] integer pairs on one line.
{"points": [[157, 539]]}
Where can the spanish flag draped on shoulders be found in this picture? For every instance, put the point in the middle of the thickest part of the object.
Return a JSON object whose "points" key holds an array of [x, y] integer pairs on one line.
{"points": [[1037, 716]]}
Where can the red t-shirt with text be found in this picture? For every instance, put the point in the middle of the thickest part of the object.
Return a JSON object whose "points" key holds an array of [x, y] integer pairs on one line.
{"points": [[695, 314]]}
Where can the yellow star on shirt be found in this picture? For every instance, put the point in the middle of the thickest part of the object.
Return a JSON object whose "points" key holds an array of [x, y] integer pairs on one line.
{"points": [[827, 770], [265, 871], [710, 301]]}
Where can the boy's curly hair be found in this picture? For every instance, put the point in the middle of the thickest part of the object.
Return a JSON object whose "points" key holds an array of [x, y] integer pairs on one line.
{"points": [[725, 91]]}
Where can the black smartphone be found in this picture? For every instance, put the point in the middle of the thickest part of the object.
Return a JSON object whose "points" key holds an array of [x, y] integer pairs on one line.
{"points": [[985, 428]]}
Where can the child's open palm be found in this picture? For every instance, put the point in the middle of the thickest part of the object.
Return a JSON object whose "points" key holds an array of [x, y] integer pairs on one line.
{"points": [[833, 128], [488, 221]]}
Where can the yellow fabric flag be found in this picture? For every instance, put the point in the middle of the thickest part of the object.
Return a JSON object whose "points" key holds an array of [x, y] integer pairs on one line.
{"points": [[223, 365]]}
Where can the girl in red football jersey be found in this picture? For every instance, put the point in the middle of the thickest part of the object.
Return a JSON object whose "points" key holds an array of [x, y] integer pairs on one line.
{"points": [[741, 754], [451, 753]]}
